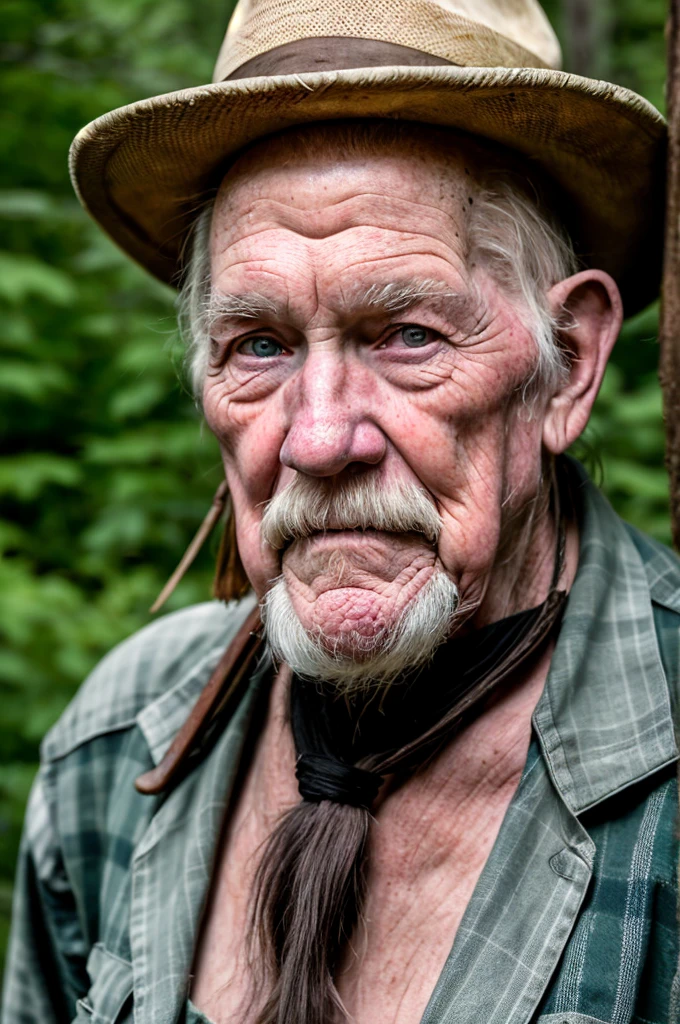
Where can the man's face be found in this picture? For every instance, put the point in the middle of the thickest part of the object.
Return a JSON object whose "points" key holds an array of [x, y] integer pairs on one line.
{"points": [[372, 348]]}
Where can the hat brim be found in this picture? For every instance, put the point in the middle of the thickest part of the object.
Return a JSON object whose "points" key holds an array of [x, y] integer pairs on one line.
{"points": [[143, 170]]}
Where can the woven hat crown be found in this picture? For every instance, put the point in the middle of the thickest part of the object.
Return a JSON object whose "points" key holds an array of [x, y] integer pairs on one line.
{"points": [[483, 68], [467, 33]]}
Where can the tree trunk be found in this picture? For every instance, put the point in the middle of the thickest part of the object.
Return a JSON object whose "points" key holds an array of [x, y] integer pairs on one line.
{"points": [[580, 24], [669, 332], [587, 34]]}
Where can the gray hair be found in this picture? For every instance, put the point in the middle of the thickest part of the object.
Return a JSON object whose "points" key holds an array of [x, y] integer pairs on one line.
{"points": [[311, 505], [510, 232]]}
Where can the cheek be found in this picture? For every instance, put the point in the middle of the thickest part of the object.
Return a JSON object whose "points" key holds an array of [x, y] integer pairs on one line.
{"points": [[234, 400], [250, 434], [499, 474], [455, 437], [524, 466], [471, 446], [250, 438]]}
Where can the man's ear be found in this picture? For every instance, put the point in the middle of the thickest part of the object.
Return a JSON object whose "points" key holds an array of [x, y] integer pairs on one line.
{"points": [[589, 305]]}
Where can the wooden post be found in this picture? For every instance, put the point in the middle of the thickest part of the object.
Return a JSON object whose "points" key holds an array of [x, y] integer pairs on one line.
{"points": [[579, 17], [588, 25], [669, 328]]}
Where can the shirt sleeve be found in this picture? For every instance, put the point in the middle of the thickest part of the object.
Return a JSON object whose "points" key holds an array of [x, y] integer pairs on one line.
{"points": [[45, 971]]}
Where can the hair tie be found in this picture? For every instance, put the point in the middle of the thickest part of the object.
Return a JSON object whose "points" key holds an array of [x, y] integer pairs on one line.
{"points": [[326, 778]]}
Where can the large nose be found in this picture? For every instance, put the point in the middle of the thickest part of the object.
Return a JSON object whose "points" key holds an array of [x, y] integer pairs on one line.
{"points": [[330, 425]]}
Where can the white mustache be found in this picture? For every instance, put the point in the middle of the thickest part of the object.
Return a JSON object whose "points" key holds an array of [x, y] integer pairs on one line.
{"points": [[309, 506]]}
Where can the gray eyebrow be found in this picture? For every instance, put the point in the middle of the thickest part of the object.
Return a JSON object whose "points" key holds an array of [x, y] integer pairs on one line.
{"points": [[399, 296], [389, 298], [224, 306]]}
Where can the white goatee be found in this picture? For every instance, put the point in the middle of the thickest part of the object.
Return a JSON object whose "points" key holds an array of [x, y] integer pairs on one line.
{"points": [[361, 503]]}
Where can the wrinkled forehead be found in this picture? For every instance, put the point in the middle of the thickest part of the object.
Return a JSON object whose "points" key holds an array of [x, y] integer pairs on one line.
{"points": [[319, 166]]}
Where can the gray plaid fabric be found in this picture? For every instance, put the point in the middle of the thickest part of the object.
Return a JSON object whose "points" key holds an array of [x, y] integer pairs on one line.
{"points": [[573, 920]]}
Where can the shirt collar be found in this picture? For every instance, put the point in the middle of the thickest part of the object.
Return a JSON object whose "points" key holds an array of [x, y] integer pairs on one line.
{"points": [[604, 719], [160, 720]]}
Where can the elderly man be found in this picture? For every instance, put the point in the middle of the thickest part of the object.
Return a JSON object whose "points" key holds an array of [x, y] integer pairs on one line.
{"points": [[438, 784]]}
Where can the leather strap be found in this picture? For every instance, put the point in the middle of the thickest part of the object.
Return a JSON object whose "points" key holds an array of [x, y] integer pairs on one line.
{"points": [[214, 513], [222, 690], [334, 53]]}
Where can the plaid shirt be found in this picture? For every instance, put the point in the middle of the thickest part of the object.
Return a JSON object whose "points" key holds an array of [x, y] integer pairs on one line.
{"points": [[572, 921]]}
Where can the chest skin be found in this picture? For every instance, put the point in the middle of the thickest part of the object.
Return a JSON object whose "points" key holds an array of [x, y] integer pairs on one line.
{"points": [[429, 842]]}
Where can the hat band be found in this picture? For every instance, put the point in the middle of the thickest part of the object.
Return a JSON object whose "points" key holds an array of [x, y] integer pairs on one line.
{"points": [[334, 53], [461, 32]]}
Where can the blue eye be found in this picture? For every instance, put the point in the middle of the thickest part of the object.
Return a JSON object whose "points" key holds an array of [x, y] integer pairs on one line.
{"points": [[263, 348], [414, 336]]}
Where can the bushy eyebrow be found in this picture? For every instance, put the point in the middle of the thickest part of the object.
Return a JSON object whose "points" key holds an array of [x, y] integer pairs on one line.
{"points": [[400, 296], [393, 297], [225, 306]]}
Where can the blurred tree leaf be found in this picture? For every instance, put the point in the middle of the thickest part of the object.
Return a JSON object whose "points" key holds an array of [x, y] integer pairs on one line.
{"points": [[25, 476], [105, 471], [23, 277]]}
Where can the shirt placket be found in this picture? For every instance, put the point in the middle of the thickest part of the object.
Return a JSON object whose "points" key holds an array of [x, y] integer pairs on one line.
{"points": [[521, 913], [172, 871]]}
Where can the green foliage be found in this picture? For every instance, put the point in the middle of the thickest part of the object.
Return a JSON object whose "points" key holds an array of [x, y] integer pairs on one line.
{"points": [[105, 471]]}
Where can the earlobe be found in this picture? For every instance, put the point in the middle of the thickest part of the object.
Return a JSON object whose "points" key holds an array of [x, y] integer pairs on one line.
{"points": [[589, 307]]}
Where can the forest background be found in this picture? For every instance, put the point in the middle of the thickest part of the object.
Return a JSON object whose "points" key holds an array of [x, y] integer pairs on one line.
{"points": [[105, 470]]}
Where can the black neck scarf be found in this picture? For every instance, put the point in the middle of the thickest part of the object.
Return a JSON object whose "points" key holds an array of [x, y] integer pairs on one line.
{"points": [[338, 739]]}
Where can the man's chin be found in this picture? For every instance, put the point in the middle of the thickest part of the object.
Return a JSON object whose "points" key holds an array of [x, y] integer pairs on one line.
{"points": [[353, 607], [352, 638], [350, 620]]}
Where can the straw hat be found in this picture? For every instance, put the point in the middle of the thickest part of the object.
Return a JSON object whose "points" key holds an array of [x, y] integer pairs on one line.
{"points": [[486, 67]]}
